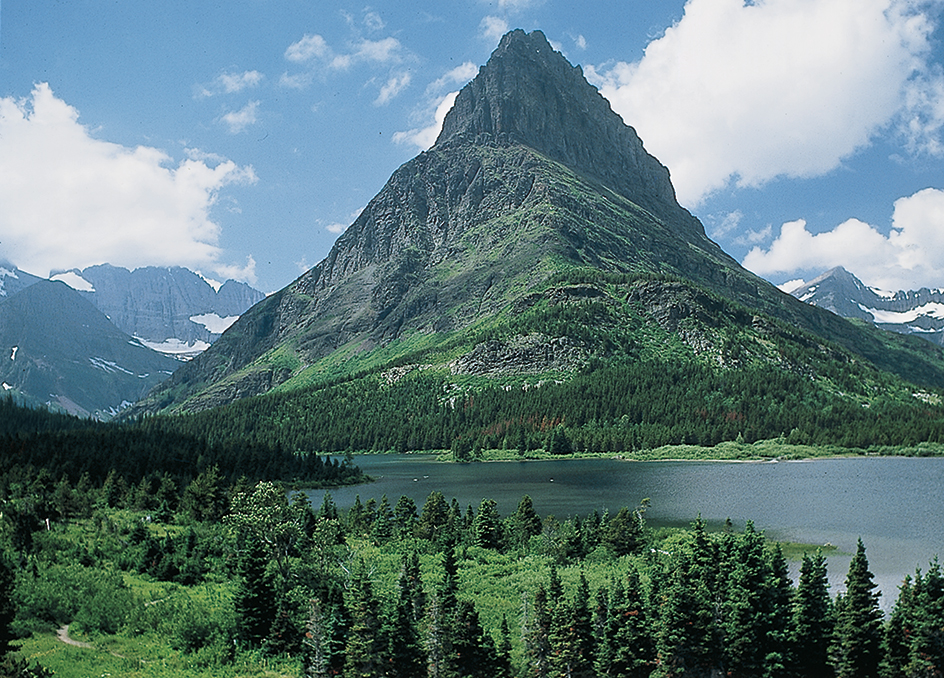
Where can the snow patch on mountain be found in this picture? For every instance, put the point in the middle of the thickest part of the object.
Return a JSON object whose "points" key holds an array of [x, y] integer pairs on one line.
{"points": [[13, 354], [75, 281], [214, 323], [932, 310], [177, 348], [108, 366], [215, 284]]}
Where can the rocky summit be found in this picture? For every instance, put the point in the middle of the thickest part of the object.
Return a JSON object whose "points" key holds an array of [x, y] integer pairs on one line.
{"points": [[536, 237]]}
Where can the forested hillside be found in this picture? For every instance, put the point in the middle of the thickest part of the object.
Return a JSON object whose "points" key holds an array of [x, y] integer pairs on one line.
{"points": [[708, 372]]}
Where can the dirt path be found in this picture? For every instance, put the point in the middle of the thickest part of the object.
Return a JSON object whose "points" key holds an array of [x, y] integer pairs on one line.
{"points": [[63, 635]]}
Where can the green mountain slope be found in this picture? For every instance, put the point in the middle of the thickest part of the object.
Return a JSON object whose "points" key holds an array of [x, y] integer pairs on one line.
{"points": [[537, 241]]}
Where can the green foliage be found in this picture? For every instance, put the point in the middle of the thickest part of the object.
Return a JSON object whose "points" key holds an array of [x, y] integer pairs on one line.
{"points": [[858, 622]]}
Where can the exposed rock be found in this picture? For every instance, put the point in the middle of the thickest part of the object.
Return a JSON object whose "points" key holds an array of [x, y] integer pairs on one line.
{"points": [[522, 355]]}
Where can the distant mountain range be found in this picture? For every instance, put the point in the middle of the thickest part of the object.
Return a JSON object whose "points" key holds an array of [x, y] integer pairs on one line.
{"points": [[58, 349], [93, 341], [172, 310], [920, 312]]}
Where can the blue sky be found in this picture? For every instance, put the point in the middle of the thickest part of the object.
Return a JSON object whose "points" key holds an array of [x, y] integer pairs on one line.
{"points": [[240, 138]]}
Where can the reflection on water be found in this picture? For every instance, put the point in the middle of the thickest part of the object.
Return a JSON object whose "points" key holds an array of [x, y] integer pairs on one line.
{"points": [[893, 504]]}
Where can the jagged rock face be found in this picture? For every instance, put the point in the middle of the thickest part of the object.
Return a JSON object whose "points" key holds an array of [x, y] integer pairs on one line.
{"points": [[528, 93]]}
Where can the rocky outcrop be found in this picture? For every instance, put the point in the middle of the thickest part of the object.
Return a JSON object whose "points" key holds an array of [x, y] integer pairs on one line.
{"points": [[522, 355]]}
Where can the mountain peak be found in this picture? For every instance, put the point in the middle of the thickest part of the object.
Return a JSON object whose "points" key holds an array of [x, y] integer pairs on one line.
{"points": [[528, 93]]}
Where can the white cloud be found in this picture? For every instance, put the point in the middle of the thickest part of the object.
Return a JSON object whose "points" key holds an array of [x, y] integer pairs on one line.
{"points": [[336, 227], [461, 74], [314, 48], [239, 120], [374, 22], [70, 200], [493, 28], [309, 47], [909, 257], [580, 42], [230, 83], [392, 88], [746, 92], [425, 137]]}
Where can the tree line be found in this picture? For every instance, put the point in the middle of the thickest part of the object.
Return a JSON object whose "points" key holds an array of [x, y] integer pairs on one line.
{"points": [[613, 407]]}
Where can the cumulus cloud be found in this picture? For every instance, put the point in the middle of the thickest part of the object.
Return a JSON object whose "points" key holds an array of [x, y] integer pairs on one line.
{"points": [[424, 137], [909, 257], [68, 199], [748, 91], [237, 121], [493, 28]]}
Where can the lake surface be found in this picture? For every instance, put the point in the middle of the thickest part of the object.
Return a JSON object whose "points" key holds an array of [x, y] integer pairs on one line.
{"points": [[894, 504]]}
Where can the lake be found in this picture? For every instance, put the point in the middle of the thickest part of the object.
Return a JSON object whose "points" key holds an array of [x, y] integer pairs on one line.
{"points": [[894, 504]]}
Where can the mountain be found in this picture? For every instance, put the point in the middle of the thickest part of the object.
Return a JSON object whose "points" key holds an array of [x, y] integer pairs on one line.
{"points": [[536, 245], [12, 279], [172, 310], [920, 312], [59, 349]]}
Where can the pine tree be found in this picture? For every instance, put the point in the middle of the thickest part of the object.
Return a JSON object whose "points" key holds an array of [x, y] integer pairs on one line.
{"points": [[896, 644], [526, 523], [572, 646], [812, 620], [926, 657], [487, 526], [858, 622], [473, 651], [405, 655], [536, 628], [365, 644], [254, 598], [628, 632], [623, 533]]}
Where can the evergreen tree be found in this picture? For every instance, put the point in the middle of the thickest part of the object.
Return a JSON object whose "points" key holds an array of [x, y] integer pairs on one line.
{"points": [[536, 628], [7, 606], [627, 633], [623, 533], [434, 519], [896, 644], [405, 517], [926, 656], [382, 530], [687, 632], [526, 523], [487, 526], [572, 645], [254, 598], [410, 571], [812, 620], [405, 655], [365, 648], [473, 651], [858, 622]]}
